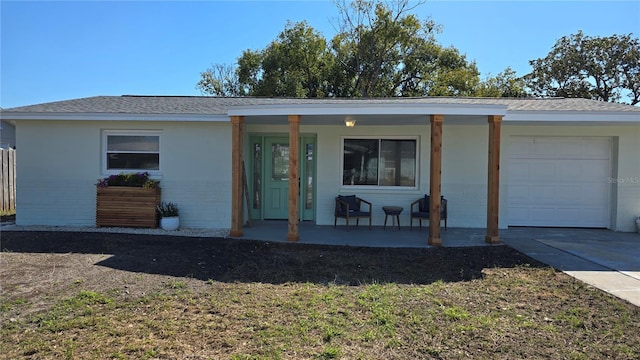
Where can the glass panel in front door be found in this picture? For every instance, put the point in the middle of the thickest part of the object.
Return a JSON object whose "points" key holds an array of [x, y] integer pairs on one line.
{"points": [[257, 175], [308, 196], [280, 162]]}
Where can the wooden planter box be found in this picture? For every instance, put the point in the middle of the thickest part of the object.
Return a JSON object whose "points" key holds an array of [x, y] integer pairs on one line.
{"points": [[124, 206]]}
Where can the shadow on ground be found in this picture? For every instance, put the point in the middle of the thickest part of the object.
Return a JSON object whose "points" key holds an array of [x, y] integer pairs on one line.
{"points": [[230, 260]]}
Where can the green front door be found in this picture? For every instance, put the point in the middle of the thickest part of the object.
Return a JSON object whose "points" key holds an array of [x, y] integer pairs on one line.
{"points": [[270, 187], [276, 191]]}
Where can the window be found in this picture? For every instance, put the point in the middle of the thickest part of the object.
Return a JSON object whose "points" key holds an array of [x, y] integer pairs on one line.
{"points": [[280, 162], [379, 162], [257, 175], [131, 151]]}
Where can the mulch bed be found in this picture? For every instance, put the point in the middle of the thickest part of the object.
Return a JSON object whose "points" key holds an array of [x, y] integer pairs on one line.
{"points": [[230, 260]]}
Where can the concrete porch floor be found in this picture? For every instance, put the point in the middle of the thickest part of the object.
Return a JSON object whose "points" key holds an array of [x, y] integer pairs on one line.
{"points": [[602, 258], [310, 233]]}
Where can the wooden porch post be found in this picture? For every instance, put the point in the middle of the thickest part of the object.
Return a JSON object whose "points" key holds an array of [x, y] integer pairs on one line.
{"points": [[435, 180], [294, 177], [493, 190], [236, 175]]}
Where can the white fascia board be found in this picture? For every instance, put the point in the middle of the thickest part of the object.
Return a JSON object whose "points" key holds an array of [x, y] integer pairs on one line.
{"points": [[113, 117], [572, 117], [366, 108]]}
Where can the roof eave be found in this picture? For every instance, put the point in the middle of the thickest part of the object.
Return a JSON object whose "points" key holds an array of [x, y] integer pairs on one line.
{"points": [[112, 117], [604, 117], [367, 109]]}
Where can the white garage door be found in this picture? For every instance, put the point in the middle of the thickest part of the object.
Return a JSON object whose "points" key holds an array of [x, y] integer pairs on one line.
{"points": [[559, 181]]}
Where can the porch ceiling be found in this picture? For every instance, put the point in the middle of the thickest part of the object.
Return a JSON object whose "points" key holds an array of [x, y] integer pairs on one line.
{"points": [[367, 120]]}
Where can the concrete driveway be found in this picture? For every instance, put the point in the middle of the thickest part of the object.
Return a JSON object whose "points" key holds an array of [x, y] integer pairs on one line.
{"points": [[605, 259]]}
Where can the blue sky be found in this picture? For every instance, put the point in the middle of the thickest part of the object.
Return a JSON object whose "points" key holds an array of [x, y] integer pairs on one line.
{"points": [[55, 50]]}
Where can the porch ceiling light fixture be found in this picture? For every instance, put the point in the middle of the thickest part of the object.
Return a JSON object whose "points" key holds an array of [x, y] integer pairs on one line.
{"points": [[349, 122]]}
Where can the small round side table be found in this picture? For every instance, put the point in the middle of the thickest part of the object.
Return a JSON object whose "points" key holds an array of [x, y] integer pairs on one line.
{"points": [[394, 212]]}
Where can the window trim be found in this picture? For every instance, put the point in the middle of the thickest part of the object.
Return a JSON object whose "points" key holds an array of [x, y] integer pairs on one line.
{"points": [[103, 153], [380, 187]]}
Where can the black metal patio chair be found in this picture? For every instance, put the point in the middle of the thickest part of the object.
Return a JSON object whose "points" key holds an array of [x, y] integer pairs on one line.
{"points": [[420, 210], [350, 207]]}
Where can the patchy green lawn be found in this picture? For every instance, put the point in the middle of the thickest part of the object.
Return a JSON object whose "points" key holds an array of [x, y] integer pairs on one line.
{"points": [[285, 301]]}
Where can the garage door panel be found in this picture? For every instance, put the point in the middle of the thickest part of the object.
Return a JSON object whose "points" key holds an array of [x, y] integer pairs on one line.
{"points": [[594, 194], [520, 147], [570, 148], [542, 194], [519, 193], [568, 194], [559, 182], [598, 149], [543, 214], [519, 215], [542, 170], [596, 170], [593, 214], [543, 148], [519, 170], [569, 215], [569, 171]]}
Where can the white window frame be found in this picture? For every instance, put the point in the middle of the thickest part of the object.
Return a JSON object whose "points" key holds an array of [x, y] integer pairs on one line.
{"points": [[380, 187], [103, 153]]}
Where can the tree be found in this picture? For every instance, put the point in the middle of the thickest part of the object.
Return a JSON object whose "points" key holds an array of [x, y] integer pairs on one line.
{"points": [[600, 68], [384, 51], [220, 80], [380, 51], [294, 65], [370, 46], [505, 84]]}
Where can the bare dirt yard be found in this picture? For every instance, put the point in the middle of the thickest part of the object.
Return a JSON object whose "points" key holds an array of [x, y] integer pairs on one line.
{"points": [[122, 296]]}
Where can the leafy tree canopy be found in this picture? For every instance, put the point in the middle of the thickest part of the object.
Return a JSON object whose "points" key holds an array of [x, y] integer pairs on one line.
{"points": [[600, 68], [381, 50], [505, 84]]}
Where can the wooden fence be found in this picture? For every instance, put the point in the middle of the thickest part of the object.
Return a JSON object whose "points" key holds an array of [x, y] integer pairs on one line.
{"points": [[8, 180]]}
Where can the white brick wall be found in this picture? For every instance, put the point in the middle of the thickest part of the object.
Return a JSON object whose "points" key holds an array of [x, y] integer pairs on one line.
{"points": [[59, 164]]}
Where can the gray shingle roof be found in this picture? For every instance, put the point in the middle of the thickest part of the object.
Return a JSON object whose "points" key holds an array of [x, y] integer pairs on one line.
{"points": [[206, 105]]}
